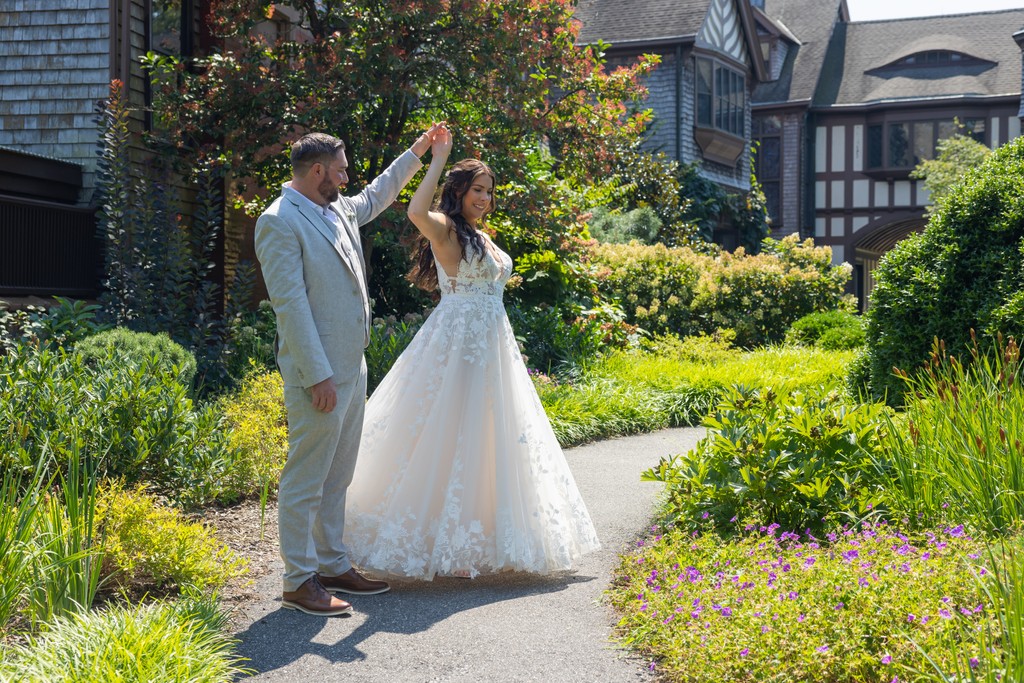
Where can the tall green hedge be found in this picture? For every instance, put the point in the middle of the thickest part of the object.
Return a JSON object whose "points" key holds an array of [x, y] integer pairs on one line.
{"points": [[964, 272], [685, 293]]}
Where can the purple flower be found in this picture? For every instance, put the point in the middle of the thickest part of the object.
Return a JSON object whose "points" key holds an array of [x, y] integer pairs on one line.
{"points": [[840, 606], [801, 618], [973, 661], [823, 648], [887, 659], [911, 617], [704, 515], [744, 652], [944, 613], [793, 595]]}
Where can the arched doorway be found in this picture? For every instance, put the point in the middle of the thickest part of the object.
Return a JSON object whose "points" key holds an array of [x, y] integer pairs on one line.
{"points": [[873, 241]]}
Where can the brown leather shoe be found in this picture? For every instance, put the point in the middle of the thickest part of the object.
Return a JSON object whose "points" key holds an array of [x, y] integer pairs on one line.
{"points": [[354, 583], [311, 598]]}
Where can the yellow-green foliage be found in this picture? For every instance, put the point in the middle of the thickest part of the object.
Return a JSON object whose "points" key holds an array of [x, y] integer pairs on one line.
{"points": [[150, 545], [685, 293], [676, 383], [257, 426], [183, 642]]}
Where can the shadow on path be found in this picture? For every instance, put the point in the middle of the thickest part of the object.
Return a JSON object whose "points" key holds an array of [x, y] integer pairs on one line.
{"points": [[282, 637]]}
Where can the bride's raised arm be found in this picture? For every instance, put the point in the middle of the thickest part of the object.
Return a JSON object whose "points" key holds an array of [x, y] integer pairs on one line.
{"points": [[432, 224]]}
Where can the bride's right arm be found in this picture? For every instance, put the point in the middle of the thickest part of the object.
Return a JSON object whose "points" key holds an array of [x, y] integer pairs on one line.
{"points": [[433, 224]]}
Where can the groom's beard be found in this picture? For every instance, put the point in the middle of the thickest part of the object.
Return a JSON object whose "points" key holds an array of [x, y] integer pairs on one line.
{"points": [[328, 191]]}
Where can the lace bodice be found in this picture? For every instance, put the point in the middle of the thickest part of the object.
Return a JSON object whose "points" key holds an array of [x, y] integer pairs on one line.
{"points": [[478, 275]]}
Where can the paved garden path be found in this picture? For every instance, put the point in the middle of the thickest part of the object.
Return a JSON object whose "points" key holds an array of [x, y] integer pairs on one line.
{"points": [[505, 628]]}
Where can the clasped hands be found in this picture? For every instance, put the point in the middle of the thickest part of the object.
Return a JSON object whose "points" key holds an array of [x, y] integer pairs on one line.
{"points": [[437, 138]]}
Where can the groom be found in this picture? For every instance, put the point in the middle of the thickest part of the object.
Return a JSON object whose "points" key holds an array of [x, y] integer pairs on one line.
{"points": [[307, 243]]}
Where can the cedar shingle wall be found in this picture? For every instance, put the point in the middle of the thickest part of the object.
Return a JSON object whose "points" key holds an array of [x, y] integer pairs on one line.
{"points": [[54, 66]]}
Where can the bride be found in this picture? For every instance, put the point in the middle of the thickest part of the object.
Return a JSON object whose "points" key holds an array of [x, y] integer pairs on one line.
{"points": [[459, 473]]}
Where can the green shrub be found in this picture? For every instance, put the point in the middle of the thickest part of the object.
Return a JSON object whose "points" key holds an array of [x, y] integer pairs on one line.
{"points": [[963, 273], [138, 423], [139, 349], [828, 329], [183, 642], [256, 423], [611, 227], [148, 545], [871, 604], [701, 348], [252, 336], [565, 339], [793, 460], [61, 325], [678, 291], [858, 377]]}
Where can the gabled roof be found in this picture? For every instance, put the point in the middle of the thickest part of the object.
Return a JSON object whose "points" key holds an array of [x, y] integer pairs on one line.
{"points": [[856, 76], [643, 21], [647, 23], [811, 22]]}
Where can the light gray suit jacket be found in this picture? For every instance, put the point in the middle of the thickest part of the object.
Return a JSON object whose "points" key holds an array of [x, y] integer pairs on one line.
{"points": [[315, 275]]}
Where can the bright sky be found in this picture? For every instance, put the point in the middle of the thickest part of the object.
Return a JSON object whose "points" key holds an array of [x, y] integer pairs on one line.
{"points": [[869, 10]]}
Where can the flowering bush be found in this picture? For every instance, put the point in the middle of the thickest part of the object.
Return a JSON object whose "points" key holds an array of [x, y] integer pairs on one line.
{"points": [[862, 604], [683, 292]]}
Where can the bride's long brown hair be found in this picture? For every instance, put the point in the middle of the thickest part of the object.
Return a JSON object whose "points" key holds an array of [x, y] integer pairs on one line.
{"points": [[460, 178]]}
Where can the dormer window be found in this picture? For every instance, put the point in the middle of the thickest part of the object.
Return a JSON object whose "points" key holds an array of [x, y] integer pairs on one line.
{"points": [[955, 62]]}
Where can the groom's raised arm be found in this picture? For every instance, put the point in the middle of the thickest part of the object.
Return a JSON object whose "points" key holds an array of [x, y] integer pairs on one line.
{"points": [[384, 189]]}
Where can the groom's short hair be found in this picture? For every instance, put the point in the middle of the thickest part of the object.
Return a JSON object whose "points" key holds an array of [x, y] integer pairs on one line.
{"points": [[314, 148]]}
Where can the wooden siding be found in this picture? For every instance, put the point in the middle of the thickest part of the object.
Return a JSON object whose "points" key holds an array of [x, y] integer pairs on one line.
{"points": [[54, 66]]}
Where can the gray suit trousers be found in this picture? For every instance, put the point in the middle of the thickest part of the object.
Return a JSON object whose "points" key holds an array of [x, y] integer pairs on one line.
{"points": [[322, 452]]}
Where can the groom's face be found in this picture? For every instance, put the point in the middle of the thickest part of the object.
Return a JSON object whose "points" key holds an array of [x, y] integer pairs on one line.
{"points": [[335, 177]]}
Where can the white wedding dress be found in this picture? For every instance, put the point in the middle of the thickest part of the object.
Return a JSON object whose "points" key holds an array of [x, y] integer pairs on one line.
{"points": [[459, 472]]}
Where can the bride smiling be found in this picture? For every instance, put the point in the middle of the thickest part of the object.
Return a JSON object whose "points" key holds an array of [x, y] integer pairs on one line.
{"points": [[459, 472]]}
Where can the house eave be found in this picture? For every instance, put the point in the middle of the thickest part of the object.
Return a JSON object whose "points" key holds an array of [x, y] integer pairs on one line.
{"points": [[629, 45], [922, 102]]}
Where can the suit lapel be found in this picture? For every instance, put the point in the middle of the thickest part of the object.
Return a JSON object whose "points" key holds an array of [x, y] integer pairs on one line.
{"points": [[341, 243]]}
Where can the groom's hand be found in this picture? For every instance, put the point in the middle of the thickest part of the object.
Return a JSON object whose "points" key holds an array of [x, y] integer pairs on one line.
{"points": [[325, 396], [423, 142]]}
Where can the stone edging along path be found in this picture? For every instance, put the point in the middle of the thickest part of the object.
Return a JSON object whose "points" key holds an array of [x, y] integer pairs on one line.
{"points": [[504, 628]]}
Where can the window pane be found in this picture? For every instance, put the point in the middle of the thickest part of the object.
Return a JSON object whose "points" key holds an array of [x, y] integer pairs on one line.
{"points": [[771, 195], [704, 92], [924, 141], [768, 159], [975, 128], [946, 129], [874, 146], [899, 145], [165, 27], [771, 124]]}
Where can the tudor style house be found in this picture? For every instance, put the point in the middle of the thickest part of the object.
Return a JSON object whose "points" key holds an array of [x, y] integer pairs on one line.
{"points": [[840, 111], [701, 91]]}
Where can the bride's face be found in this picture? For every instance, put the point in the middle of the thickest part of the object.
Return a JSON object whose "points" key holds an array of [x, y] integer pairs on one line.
{"points": [[479, 198]]}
